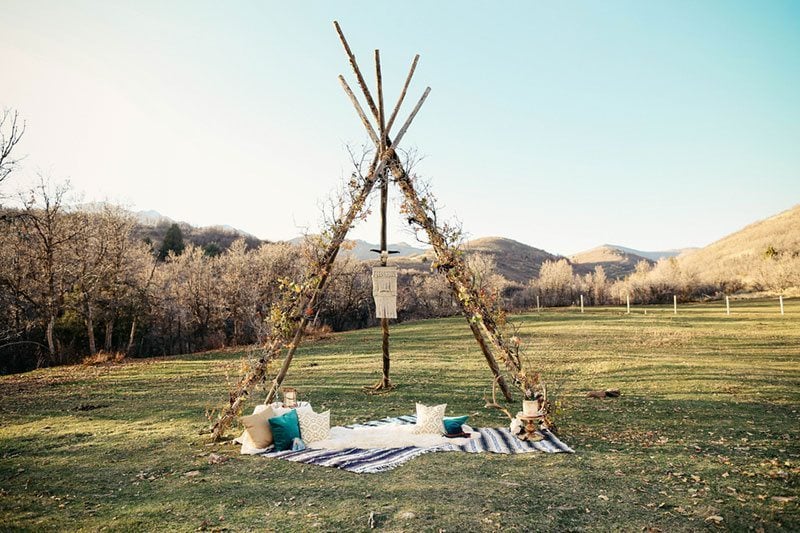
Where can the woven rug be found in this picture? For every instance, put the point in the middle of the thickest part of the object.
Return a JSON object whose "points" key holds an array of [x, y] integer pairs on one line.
{"points": [[373, 460]]}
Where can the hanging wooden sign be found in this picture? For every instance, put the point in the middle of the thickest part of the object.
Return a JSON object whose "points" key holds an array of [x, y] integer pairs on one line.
{"points": [[384, 290]]}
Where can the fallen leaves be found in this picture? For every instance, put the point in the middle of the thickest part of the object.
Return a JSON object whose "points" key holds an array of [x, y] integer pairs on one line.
{"points": [[215, 459]]}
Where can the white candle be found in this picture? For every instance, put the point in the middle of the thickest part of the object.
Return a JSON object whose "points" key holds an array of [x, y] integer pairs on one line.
{"points": [[530, 407]]}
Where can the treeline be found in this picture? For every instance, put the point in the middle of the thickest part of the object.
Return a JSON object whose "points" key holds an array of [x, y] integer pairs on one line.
{"points": [[558, 285], [75, 282]]}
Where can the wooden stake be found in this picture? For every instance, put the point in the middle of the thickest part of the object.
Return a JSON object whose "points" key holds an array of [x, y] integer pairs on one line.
{"points": [[675, 304], [275, 343], [628, 302], [357, 71], [538, 307], [384, 383], [478, 310], [581, 303], [410, 118], [360, 111], [727, 305], [780, 297], [402, 95], [475, 312], [379, 82]]}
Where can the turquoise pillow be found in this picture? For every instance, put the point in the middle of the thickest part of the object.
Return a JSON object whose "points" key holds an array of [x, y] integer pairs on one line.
{"points": [[285, 429], [453, 424]]}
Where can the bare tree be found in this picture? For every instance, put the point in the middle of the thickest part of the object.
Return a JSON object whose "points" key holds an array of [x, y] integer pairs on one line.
{"points": [[11, 131], [48, 232], [556, 282]]}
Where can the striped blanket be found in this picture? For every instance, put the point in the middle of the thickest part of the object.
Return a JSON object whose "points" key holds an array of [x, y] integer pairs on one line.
{"points": [[373, 460]]}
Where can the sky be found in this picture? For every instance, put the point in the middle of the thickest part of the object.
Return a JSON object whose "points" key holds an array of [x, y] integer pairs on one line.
{"points": [[560, 125]]}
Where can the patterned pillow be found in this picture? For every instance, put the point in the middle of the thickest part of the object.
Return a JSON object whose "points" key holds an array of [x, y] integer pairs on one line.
{"points": [[430, 419], [314, 426]]}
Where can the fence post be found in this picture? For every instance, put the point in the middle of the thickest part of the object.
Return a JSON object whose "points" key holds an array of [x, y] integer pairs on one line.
{"points": [[538, 308], [581, 303], [628, 301], [780, 297], [727, 305], [675, 304]]}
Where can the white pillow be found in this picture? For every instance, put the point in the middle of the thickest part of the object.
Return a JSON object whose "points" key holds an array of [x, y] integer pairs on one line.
{"points": [[314, 426], [430, 419]]}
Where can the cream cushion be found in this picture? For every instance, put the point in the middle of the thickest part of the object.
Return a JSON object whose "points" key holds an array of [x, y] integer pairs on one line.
{"points": [[314, 426], [430, 419], [257, 433]]}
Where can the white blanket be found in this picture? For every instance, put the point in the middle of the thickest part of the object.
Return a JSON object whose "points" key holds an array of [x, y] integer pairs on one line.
{"points": [[386, 436]]}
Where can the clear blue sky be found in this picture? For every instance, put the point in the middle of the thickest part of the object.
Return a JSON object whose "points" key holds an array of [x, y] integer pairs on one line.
{"points": [[562, 126]]}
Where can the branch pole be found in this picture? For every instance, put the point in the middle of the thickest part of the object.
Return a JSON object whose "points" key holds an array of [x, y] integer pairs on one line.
{"points": [[402, 95], [475, 313], [275, 343], [360, 111], [359, 77], [473, 309]]}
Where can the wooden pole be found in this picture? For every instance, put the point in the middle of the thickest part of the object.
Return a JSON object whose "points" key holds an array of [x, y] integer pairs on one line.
{"points": [[581, 303], [477, 310], [780, 298], [402, 95], [538, 307], [360, 111], [675, 304], [275, 343], [727, 305], [379, 81], [359, 77], [628, 302], [385, 383], [332, 251]]}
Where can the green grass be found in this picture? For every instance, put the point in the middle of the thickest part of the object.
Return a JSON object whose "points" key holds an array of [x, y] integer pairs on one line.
{"points": [[707, 426]]}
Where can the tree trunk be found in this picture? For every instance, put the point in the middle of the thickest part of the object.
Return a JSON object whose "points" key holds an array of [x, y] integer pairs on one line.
{"points": [[108, 345], [90, 328], [131, 337], [51, 344]]}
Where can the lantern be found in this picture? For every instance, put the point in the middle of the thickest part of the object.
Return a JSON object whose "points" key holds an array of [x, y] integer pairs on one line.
{"points": [[289, 397]]}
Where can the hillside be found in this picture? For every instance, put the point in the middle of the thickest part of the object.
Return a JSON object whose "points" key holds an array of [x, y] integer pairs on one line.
{"points": [[152, 226], [515, 261], [617, 261], [651, 256], [743, 253]]}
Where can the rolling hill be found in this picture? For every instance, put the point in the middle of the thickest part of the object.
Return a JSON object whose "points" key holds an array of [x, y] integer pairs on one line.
{"points": [[617, 261], [515, 261], [152, 226], [743, 251]]}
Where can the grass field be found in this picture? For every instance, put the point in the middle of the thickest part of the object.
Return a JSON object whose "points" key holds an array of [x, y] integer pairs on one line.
{"points": [[705, 435]]}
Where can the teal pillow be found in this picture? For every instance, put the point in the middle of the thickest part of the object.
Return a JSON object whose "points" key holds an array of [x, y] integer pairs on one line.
{"points": [[453, 424], [285, 429]]}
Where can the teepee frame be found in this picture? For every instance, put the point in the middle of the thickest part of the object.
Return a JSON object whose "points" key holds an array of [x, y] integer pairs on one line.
{"points": [[474, 306]]}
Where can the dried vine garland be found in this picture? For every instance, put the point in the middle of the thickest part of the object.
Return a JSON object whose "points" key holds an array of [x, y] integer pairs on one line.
{"points": [[482, 314]]}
